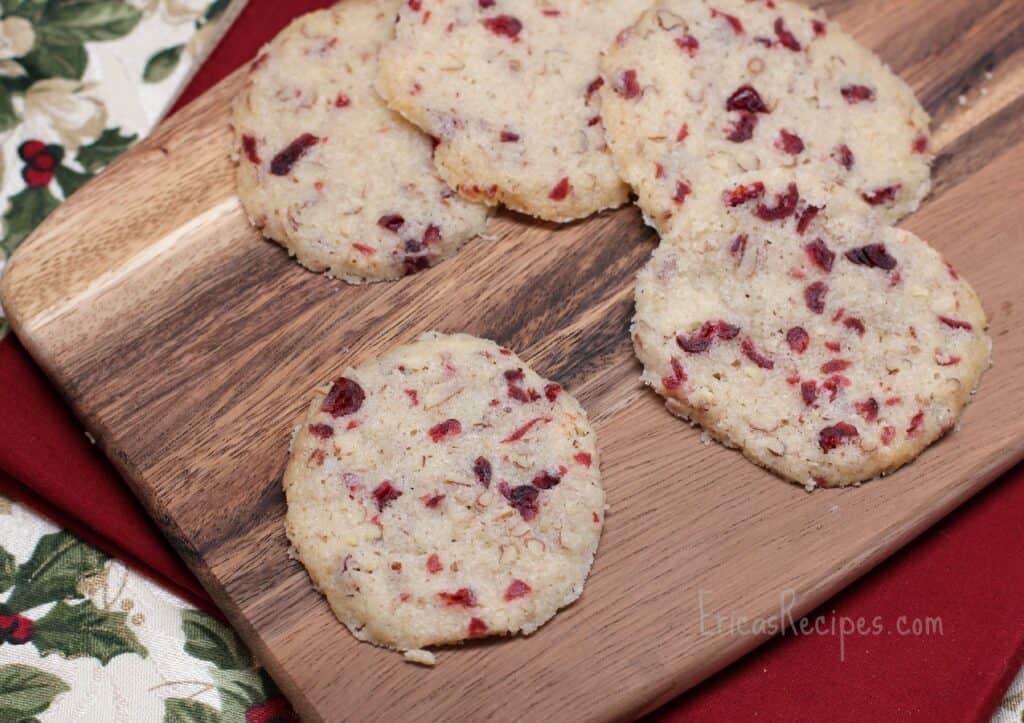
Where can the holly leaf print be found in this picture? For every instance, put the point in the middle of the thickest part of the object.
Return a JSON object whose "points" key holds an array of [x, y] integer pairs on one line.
{"points": [[160, 66], [183, 710], [27, 210], [104, 149], [8, 116], [29, 9], [69, 179], [209, 639], [91, 22], [8, 567], [85, 631], [25, 691], [59, 561], [51, 59]]}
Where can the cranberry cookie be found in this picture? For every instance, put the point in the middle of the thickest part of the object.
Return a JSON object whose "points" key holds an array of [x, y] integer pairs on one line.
{"points": [[509, 88], [700, 90], [827, 346], [330, 173], [444, 491]]}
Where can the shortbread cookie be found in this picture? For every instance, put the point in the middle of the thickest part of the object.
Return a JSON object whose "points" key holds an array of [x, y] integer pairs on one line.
{"points": [[509, 88], [444, 491], [326, 170], [827, 346], [697, 91]]}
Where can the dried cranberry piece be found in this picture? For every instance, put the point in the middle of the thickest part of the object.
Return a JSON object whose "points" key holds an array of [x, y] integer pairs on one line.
{"points": [[873, 256], [506, 25], [806, 217], [751, 352], [463, 596], [560, 190], [392, 222], [482, 471], [789, 143], [323, 431], [809, 392], [682, 191], [416, 5], [798, 339], [521, 431], [286, 159], [708, 332], [834, 384], [583, 458], [738, 247], [431, 235], [819, 27], [814, 295], [342, 101], [688, 44], [831, 437], [915, 423], [344, 398], [545, 480], [856, 93], [835, 365], [854, 323], [880, 196], [249, 146], [434, 565], [820, 254], [682, 133], [522, 498], [785, 205], [432, 501], [920, 144], [746, 98], [594, 86], [843, 156], [477, 627], [868, 409], [516, 589], [741, 194], [627, 85], [888, 435], [384, 494], [509, 137], [447, 428], [678, 375], [734, 22], [786, 38], [551, 391], [514, 379], [956, 323], [743, 129], [484, 4]]}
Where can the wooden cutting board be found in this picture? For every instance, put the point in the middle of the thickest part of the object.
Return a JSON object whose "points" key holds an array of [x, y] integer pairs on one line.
{"points": [[189, 347]]}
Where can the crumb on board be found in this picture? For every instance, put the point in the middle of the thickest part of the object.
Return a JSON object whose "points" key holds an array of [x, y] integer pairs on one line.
{"points": [[962, 100], [420, 657]]}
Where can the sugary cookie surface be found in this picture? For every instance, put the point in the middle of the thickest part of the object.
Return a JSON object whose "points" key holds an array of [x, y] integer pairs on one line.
{"points": [[324, 167], [444, 491], [509, 87], [824, 344], [700, 90]]}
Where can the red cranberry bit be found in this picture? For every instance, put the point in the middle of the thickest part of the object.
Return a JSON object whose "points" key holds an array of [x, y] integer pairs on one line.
{"points": [[385, 493], [552, 13], [746, 98], [856, 93], [888, 435], [344, 398], [785, 205], [684, 131], [786, 38], [809, 392], [503, 25], [514, 379], [789, 143], [873, 256], [522, 498], [820, 254], [517, 589], [583, 458], [432, 501], [798, 339], [431, 235], [709, 331], [956, 323], [594, 86], [249, 145], [545, 480], [868, 409], [323, 431], [751, 352], [415, 5], [688, 44], [521, 432], [551, 391], [915, 423], [342, 101], [738, 248], [594, 121], [447, 428], [482, 471], [286, 159], [832, 437], [806, 217], [509, 137], [434, 565], [734, 22], [882, 195], [463, 596], [843, 156], [678, 376], [946, 360], [834, 384], [659, 170], [627, 86], [682, 191], [741, 194], [835, 365], [484, 4], [818, 27], [743, 129], [560, 190], [477, 627], [920, 144], [814, 295], [392, 222], [364, 249]]}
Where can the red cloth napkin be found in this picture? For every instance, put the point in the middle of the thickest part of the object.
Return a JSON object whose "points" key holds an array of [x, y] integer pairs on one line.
{"points": [[968, 571]]}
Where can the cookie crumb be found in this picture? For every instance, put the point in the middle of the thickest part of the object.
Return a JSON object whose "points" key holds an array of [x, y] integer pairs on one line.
{"points": [[420, 657]]}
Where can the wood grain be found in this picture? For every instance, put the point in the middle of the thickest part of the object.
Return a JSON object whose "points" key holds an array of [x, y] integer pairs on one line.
{"points": [[189, 347]]}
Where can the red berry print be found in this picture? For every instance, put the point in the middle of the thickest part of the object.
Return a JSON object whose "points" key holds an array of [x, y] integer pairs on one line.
{"points": [[285, 160], [41, 161], [751, 352], [392, 222], [857, 93], [785, 205], [482, 471], [344, 398], [814, 295], [868, 409], [251, 152], [517, 589], [583, 458], [16, 629], [447, 428], [915, 423], [463, 597], [786, 38], [385, 493], [551, 391], [882, 195], [831, 437], [688, 44], [820, 255], [523, 499], [323, 431], [505, 25], [734, 22], [873, 256], [741, 194], [509, 137], [682, 191], [798, 339], [807, 216], [627, 86], [789, 143], [434, 565], [560, 190], [273, 710], [594, 86], [477, 627], [843, 156], [956, 323]]}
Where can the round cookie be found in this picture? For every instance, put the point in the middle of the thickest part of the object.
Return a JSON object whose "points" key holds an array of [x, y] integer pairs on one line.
{"points": [[444, 491], [509, 89], [827, 346], [698, 91], [326, 170]]}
